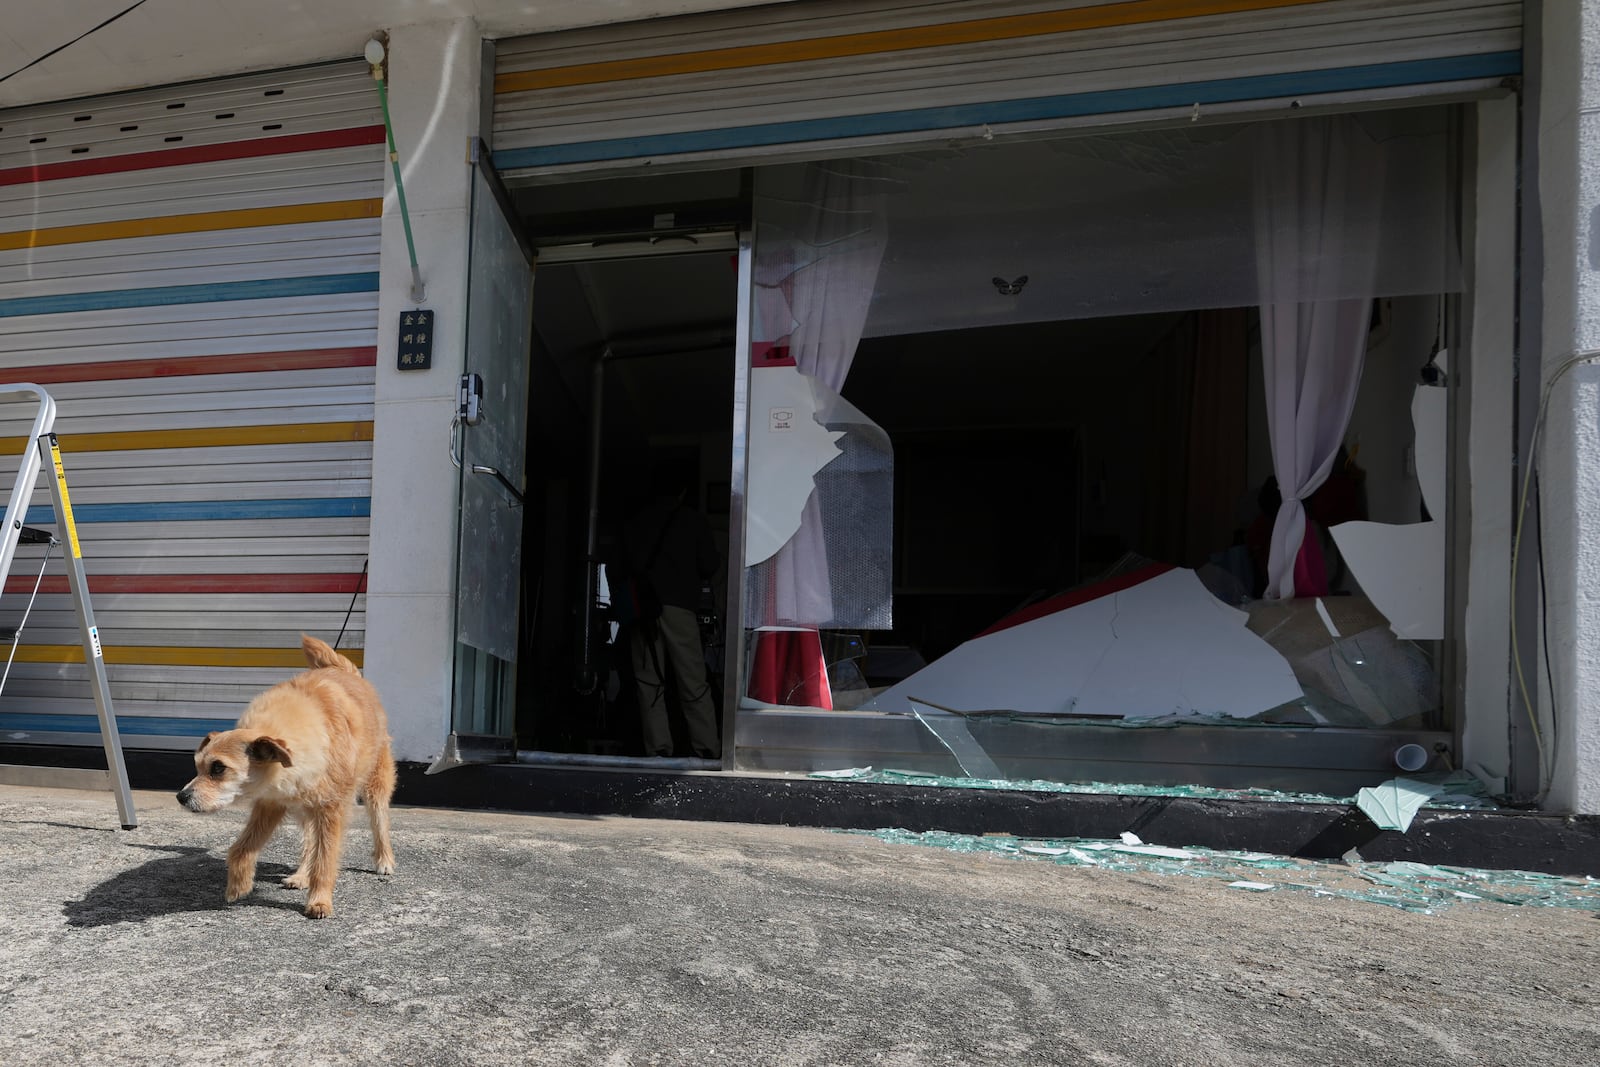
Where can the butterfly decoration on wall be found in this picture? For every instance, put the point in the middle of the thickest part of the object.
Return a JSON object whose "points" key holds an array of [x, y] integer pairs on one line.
{"points": [[1010, 288]]}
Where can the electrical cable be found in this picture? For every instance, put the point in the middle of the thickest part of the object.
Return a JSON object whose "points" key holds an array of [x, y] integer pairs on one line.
{"points": [[1546, 757], [359, 585], [16, 638], [75, 40], [1544, 613]]}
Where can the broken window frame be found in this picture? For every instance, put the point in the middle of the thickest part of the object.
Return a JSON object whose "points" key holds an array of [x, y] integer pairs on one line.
{"points": [[738, 678]]}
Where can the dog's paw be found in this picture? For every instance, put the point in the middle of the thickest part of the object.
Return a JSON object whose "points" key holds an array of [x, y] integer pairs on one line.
{"points": [[238, 889], [297, 880], [384, 868], [319, 909]]}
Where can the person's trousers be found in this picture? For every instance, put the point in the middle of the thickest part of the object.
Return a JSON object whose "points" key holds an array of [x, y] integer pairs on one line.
{"points": [[673, 644]]}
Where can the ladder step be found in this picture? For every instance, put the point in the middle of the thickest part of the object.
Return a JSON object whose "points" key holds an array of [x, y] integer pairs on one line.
{"points": [[29, 535]]}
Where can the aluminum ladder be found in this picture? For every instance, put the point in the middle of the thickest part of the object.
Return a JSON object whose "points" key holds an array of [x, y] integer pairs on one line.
{"points": [[42, 448]]}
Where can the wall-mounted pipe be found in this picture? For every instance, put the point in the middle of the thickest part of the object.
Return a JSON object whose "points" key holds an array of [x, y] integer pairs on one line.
{"points": [[588, 676]]}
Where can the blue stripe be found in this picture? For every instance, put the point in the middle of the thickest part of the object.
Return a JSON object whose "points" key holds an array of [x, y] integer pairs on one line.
{"points": [[158, 725], [208, 293], [1257, 87], [339, 507]]}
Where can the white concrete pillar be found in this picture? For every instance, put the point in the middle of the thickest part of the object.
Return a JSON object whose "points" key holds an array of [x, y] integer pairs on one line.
{"points": [[434, 96], [1569, 188]]}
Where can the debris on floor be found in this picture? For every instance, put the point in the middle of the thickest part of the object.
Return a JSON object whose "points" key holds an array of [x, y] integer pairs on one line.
{"points": [[1146, 643], [1415, 887], [1457, 791]]}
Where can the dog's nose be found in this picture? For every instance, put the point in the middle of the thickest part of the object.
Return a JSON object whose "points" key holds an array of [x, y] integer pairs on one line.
{"points": [[184, 796]]}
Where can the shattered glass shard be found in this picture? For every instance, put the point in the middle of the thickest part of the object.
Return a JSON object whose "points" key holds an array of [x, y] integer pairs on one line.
{"points": [[1415, 887], [1392, 805]]}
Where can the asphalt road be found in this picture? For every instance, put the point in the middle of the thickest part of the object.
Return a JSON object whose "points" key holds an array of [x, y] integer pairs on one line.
{"points": [[516, 939]]}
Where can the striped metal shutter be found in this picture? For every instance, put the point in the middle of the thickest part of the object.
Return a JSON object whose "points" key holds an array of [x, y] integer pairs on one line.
{"points": [[192, 272], [838, 75]]}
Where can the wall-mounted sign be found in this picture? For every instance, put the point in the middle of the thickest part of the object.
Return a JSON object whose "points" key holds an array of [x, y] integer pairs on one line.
{"points": [[416, 340]]}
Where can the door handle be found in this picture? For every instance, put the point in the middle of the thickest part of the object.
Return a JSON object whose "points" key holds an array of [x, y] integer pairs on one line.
{"points": [[505, 483]]}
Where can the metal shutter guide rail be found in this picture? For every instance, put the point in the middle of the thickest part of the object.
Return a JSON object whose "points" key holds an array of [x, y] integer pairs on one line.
{"points": [[42, 444]]}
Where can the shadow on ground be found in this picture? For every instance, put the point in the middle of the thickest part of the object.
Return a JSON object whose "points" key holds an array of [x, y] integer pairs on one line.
{"points": [[68, 826], [190, 880]]}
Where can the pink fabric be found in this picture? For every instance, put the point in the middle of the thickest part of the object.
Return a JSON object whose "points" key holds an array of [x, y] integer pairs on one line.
{"points": [[1310, 567]]}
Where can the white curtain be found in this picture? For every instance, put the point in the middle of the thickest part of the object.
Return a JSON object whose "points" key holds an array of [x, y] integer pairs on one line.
{"points": [[1319, 185], [820, 241]]}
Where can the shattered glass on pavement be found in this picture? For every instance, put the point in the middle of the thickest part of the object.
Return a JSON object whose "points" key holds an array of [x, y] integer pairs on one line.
{"points": [[1416, 887], [1461, 791]]}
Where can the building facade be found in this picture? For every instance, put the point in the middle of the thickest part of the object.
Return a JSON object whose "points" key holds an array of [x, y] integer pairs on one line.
{"points": [[984, 339]]}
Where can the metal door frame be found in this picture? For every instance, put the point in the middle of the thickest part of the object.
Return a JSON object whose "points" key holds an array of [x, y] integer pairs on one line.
{"points": [[481, 161]]}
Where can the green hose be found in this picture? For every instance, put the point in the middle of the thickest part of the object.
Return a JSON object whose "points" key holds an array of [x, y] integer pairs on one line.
{"points": [[400, 189]]}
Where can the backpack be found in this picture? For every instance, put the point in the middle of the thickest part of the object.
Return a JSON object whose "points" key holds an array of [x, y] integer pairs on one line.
{"points": [[634, 600]]}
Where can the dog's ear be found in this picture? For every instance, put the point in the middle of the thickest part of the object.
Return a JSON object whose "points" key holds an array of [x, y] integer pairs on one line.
{"points": [[206, 740], [269, 750]]}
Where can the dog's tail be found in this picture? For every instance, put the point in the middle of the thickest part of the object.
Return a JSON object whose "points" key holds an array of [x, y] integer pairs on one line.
{"points": [[321, 654]]}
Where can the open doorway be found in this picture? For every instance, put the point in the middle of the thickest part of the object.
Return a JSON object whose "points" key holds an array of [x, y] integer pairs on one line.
{"points": [[632, 386]]}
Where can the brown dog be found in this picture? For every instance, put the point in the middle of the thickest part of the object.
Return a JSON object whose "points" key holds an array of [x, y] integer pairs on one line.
{"points": [[306, 747]]}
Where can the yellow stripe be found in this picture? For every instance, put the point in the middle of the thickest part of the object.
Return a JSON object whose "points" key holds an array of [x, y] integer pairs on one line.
{"points": [[204, 437], [975, 31], [334, 211], [150, 655], [66, 500]]}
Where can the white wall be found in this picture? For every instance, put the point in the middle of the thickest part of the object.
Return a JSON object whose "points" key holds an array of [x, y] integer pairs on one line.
{"points": [[434, 92], [1569, 188]]}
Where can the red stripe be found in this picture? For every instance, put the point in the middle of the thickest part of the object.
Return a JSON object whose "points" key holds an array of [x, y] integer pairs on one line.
{"points": [[194, 583], [1075, 597], [180, 157], [183, 366]]}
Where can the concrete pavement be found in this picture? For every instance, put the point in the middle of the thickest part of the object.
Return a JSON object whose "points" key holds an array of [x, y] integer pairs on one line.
{"points": [[521, 939]]}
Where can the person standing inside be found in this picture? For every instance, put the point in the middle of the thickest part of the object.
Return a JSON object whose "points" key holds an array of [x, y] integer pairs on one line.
{"points": [[669, 543]]}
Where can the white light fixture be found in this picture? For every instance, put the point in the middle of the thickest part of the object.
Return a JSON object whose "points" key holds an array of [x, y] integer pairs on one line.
{"points": [[375, 52]]}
